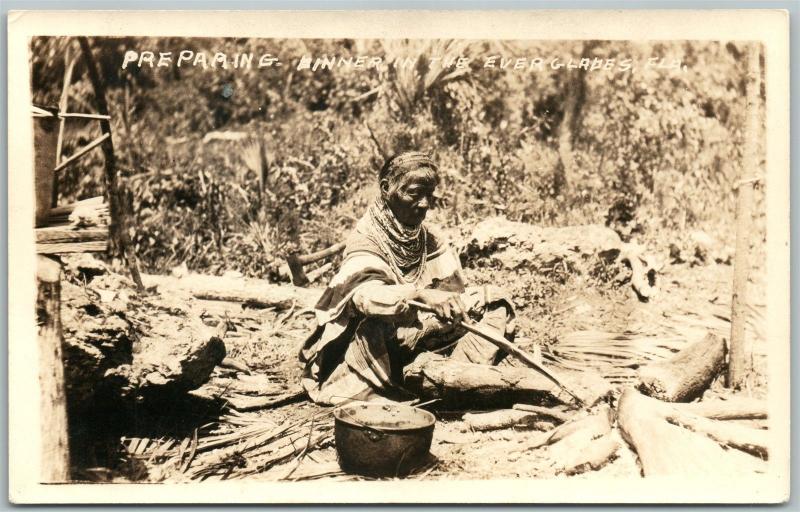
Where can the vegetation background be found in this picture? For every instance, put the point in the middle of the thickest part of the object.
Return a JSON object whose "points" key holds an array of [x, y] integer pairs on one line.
{"points": [[233, 169]]}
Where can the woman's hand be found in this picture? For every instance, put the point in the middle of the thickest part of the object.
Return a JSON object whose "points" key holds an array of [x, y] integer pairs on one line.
{"points": [[446, 305]]}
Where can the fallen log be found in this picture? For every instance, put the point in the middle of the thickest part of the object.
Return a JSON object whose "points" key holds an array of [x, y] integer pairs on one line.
{"points": [[251, 292], [666, 449], [687, 375], [431, 376]]}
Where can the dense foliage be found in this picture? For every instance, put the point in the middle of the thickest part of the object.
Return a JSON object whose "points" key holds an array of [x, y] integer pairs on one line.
{"points": [[231, 169]]}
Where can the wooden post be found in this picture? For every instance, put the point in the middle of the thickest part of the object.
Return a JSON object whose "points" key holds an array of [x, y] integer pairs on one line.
{"points": [[119, 224], [738, 364], [53, 407]]}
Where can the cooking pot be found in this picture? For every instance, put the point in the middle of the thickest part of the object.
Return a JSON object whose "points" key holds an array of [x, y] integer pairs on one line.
{"points": [[379, 439]]}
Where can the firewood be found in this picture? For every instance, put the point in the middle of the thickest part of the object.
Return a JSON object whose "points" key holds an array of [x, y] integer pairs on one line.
{"points": [[747, 439], [687, 375], [548, 412], [666, 449], [733, 408], [503, 418], [596, 424], [576, 454]]}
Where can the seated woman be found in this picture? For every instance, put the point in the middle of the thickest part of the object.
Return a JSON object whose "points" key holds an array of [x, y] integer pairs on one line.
{"points": [[367, 332]]}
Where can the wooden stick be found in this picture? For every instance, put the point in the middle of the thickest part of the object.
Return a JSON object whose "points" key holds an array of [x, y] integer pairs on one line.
{"points": [[324, 253], [83, 116], [549, 412], [78, 154], [738, 364], [53, 421]]}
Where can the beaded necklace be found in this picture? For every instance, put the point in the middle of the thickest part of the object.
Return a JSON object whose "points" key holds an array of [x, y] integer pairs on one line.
{"points": [[405, 247]]}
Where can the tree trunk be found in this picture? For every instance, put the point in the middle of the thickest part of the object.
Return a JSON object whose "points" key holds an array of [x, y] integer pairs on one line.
{"points": [[738, 365], [574, 90], [55, 441], [687, 375], [120, 239]]}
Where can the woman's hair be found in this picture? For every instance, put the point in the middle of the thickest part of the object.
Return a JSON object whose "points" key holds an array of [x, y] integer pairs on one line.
{"points": [[400, 164]]}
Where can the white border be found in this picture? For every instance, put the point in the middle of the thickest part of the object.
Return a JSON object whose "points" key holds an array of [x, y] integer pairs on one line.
{"points": [[770, 27]]}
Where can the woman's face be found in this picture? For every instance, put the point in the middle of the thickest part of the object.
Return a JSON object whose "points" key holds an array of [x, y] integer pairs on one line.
{"points": [[412, 196]]}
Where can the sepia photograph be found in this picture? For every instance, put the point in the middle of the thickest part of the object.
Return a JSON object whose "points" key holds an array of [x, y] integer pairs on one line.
{"points": [[528, 258]]}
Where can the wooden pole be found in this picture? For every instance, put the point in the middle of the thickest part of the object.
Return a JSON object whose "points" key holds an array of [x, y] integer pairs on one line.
{"points": [[69, 64], [119, 226], [738, 364], [53, 407]]}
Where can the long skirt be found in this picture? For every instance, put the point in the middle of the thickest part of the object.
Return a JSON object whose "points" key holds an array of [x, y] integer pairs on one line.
{"points": [[372, 366]]}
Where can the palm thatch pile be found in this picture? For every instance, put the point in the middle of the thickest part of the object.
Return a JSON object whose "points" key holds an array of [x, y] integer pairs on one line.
{"points": [[618, 355]]}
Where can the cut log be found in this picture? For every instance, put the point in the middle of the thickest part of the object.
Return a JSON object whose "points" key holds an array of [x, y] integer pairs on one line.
{"points": [[435, 377], [252, 292], [687, 375], [666, 449], [55, 461], [503, 418]]}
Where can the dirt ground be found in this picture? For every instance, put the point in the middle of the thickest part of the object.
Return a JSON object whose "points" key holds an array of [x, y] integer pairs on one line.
{"points": [[693, 300]]}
